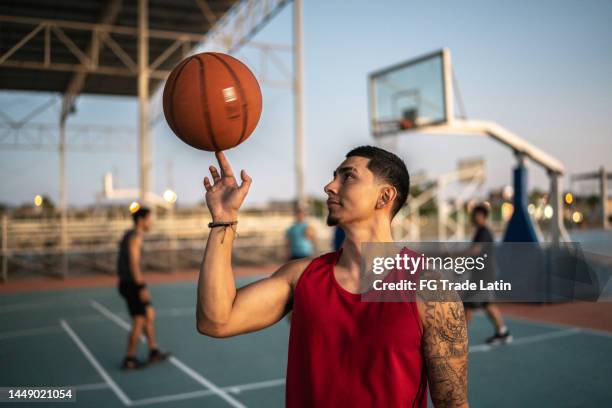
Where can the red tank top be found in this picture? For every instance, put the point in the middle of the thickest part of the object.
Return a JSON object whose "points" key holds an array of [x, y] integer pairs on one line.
{"points": [[347, 353]]}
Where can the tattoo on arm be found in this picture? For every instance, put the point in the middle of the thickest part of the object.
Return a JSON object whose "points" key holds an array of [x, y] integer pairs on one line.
{"points": [[445, 346]]}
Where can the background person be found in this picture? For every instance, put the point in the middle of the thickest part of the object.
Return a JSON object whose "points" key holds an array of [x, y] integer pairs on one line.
{"points": [[300, 236], [338, 238], [483, 234], [133, 289]]}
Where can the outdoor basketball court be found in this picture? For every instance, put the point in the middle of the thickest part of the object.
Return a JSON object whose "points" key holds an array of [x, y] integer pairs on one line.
{"points": [[76, 338]]}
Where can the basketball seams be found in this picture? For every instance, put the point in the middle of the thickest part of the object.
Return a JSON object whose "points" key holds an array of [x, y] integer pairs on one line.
{"points": [[243, 104], [192, 94], [172, 122], [204, 101]]}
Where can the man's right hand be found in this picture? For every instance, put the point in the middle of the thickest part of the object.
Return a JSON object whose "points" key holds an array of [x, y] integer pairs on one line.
{"points": [[224, 196]]}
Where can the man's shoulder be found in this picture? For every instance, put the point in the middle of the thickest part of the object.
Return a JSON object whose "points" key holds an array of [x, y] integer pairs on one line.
{"points": [[294, 269], [134, 237]]}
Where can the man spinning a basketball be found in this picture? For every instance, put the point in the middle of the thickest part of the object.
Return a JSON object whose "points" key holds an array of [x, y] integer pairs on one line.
{"points": [[342, 351]]}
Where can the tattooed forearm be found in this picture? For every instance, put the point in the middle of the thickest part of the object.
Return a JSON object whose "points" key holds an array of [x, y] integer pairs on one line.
{"points": [[445, 346]]}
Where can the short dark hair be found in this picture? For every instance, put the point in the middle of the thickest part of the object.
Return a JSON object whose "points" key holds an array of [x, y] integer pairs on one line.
{"points": [[480, 209], [388, 167], [142, 212]]}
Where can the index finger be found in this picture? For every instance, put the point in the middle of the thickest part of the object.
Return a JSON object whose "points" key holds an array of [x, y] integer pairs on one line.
{"points": [[226, 169]]}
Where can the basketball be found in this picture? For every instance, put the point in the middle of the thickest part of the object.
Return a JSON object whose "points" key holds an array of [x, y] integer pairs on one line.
{"points": [[212, 101]]}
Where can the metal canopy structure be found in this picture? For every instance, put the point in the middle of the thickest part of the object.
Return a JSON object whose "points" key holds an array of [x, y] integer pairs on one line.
{"points": [[126, 47], [93, 46], [44, 43], [102, 46]]}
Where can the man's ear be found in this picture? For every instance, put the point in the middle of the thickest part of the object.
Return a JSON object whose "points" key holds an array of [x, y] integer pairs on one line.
{"points": [[387, 195]]}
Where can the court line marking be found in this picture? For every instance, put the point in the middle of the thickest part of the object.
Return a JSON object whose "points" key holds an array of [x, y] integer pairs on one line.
{"points": [[23, 306], [56, 297], [169, 312], [585, 330], [187, 311], [46, 302], [478, 348], [255, 386], [92, 318], [175, 361], [89, 387], [195, 394], [205, 382], [30, 332], [173, 397], [107, 378]]}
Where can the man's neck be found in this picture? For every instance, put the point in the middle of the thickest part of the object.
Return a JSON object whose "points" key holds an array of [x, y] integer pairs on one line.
{"points": [[356, 235]]}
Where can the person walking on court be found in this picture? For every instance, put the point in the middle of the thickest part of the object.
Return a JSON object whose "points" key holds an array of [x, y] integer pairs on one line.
{"points": [[133, 289], [342, 351], [483, 234], [300, 236]]}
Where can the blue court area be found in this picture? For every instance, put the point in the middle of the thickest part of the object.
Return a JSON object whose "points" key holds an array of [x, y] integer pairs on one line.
{"points": [[77, 338]]}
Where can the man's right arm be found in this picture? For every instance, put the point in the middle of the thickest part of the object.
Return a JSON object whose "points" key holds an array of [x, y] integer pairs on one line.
{"points": [[222, 310]]}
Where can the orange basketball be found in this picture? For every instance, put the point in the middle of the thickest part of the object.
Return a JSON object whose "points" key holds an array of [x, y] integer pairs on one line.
{"points": [[212, 101]]}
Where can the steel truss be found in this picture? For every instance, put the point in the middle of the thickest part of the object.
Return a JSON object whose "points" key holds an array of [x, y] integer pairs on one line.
{"points": [[230, 32], [20, 134]]}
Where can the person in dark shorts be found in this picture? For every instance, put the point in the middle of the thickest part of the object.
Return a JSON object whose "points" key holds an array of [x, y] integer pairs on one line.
{"points": [[483, 234], [133, 289]]}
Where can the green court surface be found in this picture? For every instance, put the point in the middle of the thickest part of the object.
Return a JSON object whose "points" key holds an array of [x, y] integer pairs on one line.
{"points": [[77, 337]]}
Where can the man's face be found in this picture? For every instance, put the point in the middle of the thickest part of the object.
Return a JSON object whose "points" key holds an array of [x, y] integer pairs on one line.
{"points": [[146, 222], [353, 193], [479, 219], [300, 214]]}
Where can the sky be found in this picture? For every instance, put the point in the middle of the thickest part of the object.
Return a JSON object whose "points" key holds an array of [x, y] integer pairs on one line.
{"points": [[539, 68]]}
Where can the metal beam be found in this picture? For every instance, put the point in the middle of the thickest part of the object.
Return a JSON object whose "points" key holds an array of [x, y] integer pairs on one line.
{"points": [[249, 18], [109, 28], [21, 42], [557, 228], [232, 31], [5, 252], [298, 98], [144, 151], [82, 138], [449, 106], [602, 176], [603, 190], [63, 203], [207, 11], [522, 149], [111, 71], [109, 15], [502, 135], [590, 176], [25, 119]]}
